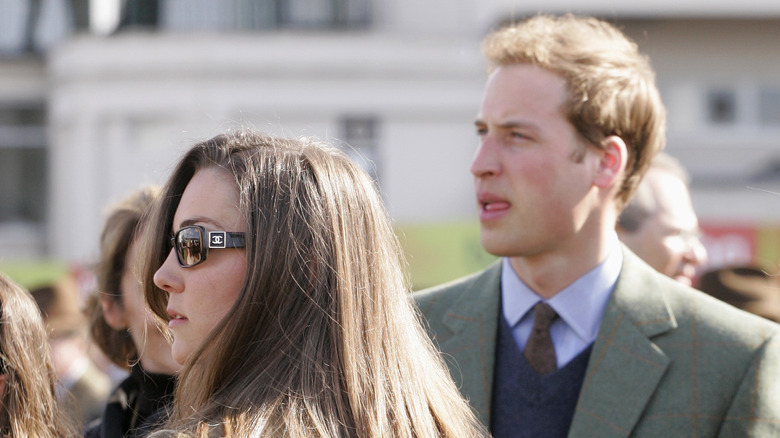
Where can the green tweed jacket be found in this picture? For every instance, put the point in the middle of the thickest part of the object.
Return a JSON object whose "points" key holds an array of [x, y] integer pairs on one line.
{"points": [[668, 360]]}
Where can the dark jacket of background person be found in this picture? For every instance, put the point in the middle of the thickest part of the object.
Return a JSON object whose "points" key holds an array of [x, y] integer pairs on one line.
{"points": [[136, 405]]}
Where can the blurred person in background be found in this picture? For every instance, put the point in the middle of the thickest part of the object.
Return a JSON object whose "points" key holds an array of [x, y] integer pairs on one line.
{"points": [[28, 394], [659, 224], [60, 304], [124, 329], [745, 287], [275, 266]]}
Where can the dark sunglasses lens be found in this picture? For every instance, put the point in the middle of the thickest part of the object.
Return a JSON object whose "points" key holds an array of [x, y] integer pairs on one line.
{"points": [[189, 246]]}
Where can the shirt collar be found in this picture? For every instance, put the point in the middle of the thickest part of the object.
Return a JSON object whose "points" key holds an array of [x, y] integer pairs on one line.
{"points": [[580, 305]]}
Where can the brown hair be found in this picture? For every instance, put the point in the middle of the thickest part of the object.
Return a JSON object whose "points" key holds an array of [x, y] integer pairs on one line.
{"points": [[119, 231], [323, 339], [29, 402], [611, 86]]}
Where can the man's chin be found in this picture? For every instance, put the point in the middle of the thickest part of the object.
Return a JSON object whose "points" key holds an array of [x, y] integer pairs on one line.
{"points": [[492, 244], [497, 247]]}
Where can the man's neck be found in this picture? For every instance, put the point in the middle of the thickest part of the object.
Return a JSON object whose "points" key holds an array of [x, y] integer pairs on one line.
{"points": [[550, 272]]}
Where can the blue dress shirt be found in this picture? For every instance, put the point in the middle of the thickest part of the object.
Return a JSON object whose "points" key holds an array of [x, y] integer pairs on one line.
{"points": [[580, 306]]}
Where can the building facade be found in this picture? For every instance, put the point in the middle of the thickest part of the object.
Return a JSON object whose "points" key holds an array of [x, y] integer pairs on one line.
{"points": [[110, 106]]}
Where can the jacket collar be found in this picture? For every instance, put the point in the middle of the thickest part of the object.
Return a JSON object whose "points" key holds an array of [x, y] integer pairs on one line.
{"points": [[625, 367]]}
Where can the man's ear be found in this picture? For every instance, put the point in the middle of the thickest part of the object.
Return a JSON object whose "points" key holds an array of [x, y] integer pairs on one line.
{"points": [[113, 312], [612, 163]]}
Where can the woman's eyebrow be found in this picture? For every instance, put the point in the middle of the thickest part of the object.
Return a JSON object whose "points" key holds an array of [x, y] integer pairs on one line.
{"points": [[199, 220]]}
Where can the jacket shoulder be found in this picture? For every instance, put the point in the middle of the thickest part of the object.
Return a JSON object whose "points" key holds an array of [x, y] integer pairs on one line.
{"points": [[447, 293], [713, 320], [704, 320]]}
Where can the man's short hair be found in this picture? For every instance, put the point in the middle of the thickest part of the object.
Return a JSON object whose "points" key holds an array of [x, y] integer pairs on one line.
{"points": [[643, 204], [611, 86]]}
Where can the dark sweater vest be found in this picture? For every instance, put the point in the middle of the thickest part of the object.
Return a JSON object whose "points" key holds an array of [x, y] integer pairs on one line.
{"points": [[526, 404]]}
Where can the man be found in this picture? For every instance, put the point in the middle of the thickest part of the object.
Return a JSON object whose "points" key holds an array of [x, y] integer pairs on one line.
{"points": [[571, 334], [659, 224]]}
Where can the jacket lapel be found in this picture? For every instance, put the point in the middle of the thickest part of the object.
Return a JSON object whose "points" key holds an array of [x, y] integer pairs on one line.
{"points": [[473, 321], [625, 366]]}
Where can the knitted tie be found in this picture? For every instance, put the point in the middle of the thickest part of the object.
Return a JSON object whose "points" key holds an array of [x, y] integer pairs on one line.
{"points": [[539, 350]]}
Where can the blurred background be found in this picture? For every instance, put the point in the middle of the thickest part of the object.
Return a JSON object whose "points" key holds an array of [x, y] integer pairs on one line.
{"points": [[98, 97]]}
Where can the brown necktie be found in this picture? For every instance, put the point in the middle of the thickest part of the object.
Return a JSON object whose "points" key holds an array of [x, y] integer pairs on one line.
{"points": [[539, 350]]}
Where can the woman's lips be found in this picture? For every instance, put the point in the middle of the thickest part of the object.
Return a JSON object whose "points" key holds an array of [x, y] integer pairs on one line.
{"points": [[177, 319]]}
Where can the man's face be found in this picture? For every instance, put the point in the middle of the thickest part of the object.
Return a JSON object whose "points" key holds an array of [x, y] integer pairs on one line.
{"points": [[668, 240], [533, 197]]}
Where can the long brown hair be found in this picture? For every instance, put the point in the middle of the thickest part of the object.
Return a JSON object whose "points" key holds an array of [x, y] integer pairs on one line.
{"points": [[29, 402], [322, 340], [119, 231]]}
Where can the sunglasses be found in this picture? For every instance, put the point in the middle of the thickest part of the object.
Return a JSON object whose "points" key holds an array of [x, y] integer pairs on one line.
{"points": [[190, 248]]}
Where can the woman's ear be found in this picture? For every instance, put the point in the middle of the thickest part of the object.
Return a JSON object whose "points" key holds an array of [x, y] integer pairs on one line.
{"points": [[612, 163], [113, 312]]}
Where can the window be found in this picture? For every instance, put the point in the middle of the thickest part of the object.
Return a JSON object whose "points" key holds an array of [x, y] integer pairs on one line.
{"points": [[722, 107], [35, 25], [22, 164], [140, 13], [769, 106], [22, 184], [323, 13], [265, 14]]}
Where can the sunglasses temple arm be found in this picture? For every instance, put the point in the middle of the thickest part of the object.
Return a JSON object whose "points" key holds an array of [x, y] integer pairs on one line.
{"points": [[234, 240]]}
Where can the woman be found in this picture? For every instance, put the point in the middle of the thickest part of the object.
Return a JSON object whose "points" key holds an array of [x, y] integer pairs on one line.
{"points": [[279, 277], [28, 401], [124, 329]]}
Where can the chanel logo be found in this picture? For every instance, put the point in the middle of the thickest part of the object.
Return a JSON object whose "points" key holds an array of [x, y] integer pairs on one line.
{"points": [[217, 239]]}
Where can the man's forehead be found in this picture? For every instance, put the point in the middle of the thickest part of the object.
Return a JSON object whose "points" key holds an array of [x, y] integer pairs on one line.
{"points": [[672, 199]]}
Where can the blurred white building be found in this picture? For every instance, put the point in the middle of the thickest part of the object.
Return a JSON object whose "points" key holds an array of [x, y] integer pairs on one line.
{"points": [[89, 113]]}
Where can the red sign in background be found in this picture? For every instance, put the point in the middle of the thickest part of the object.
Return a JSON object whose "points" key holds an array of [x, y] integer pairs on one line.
{"points": [[741, 244]]}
